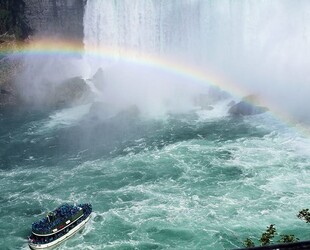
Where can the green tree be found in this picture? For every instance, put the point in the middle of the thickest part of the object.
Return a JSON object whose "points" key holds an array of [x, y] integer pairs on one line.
{"points": [[288, 238], [270, 233], [267, 236], [304, 215], [248, 243]]}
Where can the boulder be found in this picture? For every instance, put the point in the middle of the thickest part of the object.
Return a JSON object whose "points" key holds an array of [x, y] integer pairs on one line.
{"points": [[231, 103], [55, 17], [217, 94], [8, 98], [214, 95], [98, 79], [73, 91], [9, 69], [254, 99], [244, 108]]}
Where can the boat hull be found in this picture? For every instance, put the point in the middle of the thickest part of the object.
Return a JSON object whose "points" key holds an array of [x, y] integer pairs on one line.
{"points": [[63, 238]]}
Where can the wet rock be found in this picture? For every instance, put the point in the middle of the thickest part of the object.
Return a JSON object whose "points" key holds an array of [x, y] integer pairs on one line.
{"points": [[12, 19], [214, 95], [217, 94], [71, 92], [98, 79], [248, 106], [8, 98], [231, 103], [5, 92], [57, 17], [9, 69]]}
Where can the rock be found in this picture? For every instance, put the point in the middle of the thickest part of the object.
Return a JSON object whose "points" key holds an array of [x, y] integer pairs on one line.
{"points": [[73, 91], [63, 18], [12, 19], [57, 17], [231, 103], [9, 69], [50, 95], [213, 96], [254, 99], [217, 94], [7, 98], [98, 79], [5, 92], [244, 108]]}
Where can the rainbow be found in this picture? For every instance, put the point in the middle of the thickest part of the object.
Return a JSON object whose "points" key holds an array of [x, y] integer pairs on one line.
{"points": [[76, 48], [204, 76]]}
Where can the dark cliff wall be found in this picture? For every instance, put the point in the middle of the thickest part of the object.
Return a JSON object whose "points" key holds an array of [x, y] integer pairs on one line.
{"points": [[12, 18], [62, 18]]}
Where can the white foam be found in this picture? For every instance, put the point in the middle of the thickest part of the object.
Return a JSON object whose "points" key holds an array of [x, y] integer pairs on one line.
{"points": [[65, 117], [219, 110]]}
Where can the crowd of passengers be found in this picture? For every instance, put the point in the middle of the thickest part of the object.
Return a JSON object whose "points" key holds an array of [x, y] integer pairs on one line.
{"points": [[55, 218], [87, 209]]}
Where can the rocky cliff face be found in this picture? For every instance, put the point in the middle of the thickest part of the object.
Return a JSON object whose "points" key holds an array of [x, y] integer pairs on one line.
{"points": [[62, 18], [21, 18], [12, 19]]}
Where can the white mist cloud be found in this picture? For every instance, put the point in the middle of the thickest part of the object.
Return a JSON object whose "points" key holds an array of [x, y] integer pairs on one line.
{"points": [[41, 73], [263, 46], [153, 91], [273, 55]]}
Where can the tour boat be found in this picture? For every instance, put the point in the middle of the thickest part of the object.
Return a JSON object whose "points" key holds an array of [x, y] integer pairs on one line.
{"points": [[59, 225]]}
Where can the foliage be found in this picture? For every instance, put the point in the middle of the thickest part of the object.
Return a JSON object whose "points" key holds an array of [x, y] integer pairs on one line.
{"points": [[265, 239], [248, 243], [268, 235], [288, 238], [304, 215]]}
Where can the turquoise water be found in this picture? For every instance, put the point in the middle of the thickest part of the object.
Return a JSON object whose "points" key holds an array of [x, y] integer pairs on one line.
{"points": [[182, 182]]}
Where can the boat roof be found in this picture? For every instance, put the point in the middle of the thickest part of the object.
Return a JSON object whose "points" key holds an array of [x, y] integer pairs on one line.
{"points": [[54, 218]]}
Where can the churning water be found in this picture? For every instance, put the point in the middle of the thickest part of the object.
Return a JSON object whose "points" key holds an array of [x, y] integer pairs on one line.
{"points": [[196, 179]]}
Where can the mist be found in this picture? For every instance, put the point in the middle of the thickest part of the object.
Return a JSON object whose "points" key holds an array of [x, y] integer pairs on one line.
{"points": [[261, 46], [43, 73]]}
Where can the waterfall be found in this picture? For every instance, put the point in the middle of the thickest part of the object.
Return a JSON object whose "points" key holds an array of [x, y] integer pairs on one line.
{"points": [[262, 45], [170, 28], [197, 30]]}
